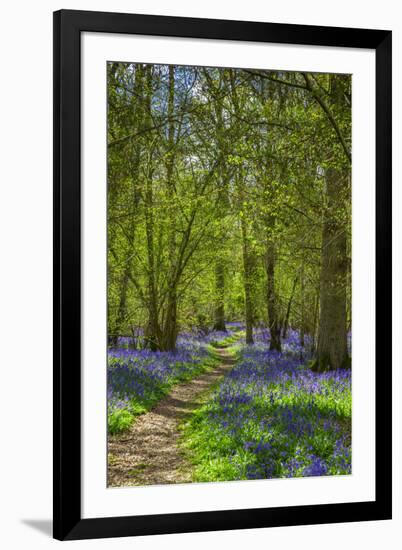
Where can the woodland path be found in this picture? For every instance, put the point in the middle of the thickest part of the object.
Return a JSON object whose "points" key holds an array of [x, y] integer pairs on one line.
{"points": [[149, 453]]}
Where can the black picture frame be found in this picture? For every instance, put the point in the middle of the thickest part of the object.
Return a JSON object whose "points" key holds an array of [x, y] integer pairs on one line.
{"points": [[68, 522]]}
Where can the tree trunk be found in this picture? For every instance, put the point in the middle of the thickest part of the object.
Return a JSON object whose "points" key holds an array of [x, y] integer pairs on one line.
{"points": [[273, 321], [152, 336], [247, 278], [220, 296], [223, 205], [302, 307], [314, 335], [287, 317], [332, 341], [152, 333], [169, 335], [121, 316], [248, 301]]}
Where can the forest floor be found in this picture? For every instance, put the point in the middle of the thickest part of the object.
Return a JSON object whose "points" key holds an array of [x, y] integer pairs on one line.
{"points": [[149, 452]]}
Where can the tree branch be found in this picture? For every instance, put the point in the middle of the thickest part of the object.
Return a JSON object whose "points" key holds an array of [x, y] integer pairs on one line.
{"points": [[327, 111]]}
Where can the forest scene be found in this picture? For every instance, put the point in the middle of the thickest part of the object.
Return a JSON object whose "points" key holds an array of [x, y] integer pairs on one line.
{"points": [[229, 274]]}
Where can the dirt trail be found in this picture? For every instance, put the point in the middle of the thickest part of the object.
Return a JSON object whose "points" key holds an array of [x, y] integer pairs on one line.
{"points": [[148, 454]]}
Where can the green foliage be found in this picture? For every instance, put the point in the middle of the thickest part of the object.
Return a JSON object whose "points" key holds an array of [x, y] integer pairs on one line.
{"points": [[119, 421], [226, 342], [220, 455], [210, 167]]}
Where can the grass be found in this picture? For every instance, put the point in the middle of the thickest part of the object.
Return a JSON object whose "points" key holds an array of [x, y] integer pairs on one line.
{"points": [[271, 417], [228, 341], [121, 419], [138, 469], [139, 380]]}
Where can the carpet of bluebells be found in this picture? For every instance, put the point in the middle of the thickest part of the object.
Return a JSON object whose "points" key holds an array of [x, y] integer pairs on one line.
{"points": [[138, 378], [272, 417]]}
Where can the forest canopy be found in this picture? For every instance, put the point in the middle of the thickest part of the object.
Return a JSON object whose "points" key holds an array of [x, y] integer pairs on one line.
{"points": [[229, 200]]}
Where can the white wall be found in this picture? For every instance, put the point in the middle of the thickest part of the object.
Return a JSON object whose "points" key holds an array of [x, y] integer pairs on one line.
{"points": [[26, 269]]}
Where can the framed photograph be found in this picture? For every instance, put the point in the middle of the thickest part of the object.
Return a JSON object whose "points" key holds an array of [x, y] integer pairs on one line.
{"points": [[222, 274]]}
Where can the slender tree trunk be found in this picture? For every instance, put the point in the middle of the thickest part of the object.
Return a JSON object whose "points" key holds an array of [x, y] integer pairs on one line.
{"points": [[223, 207], [121, 317], [130, 237], [220, 295], [248, 269], [152, 335], [316, 308], [273, 320], [302, 306], [170, 325], [152, 332], [248, 300], [169, 337], [288, 310], [121, 313]]}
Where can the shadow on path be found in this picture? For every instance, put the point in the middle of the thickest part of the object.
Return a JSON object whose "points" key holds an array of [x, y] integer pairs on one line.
{"points": [[148, 454]]}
